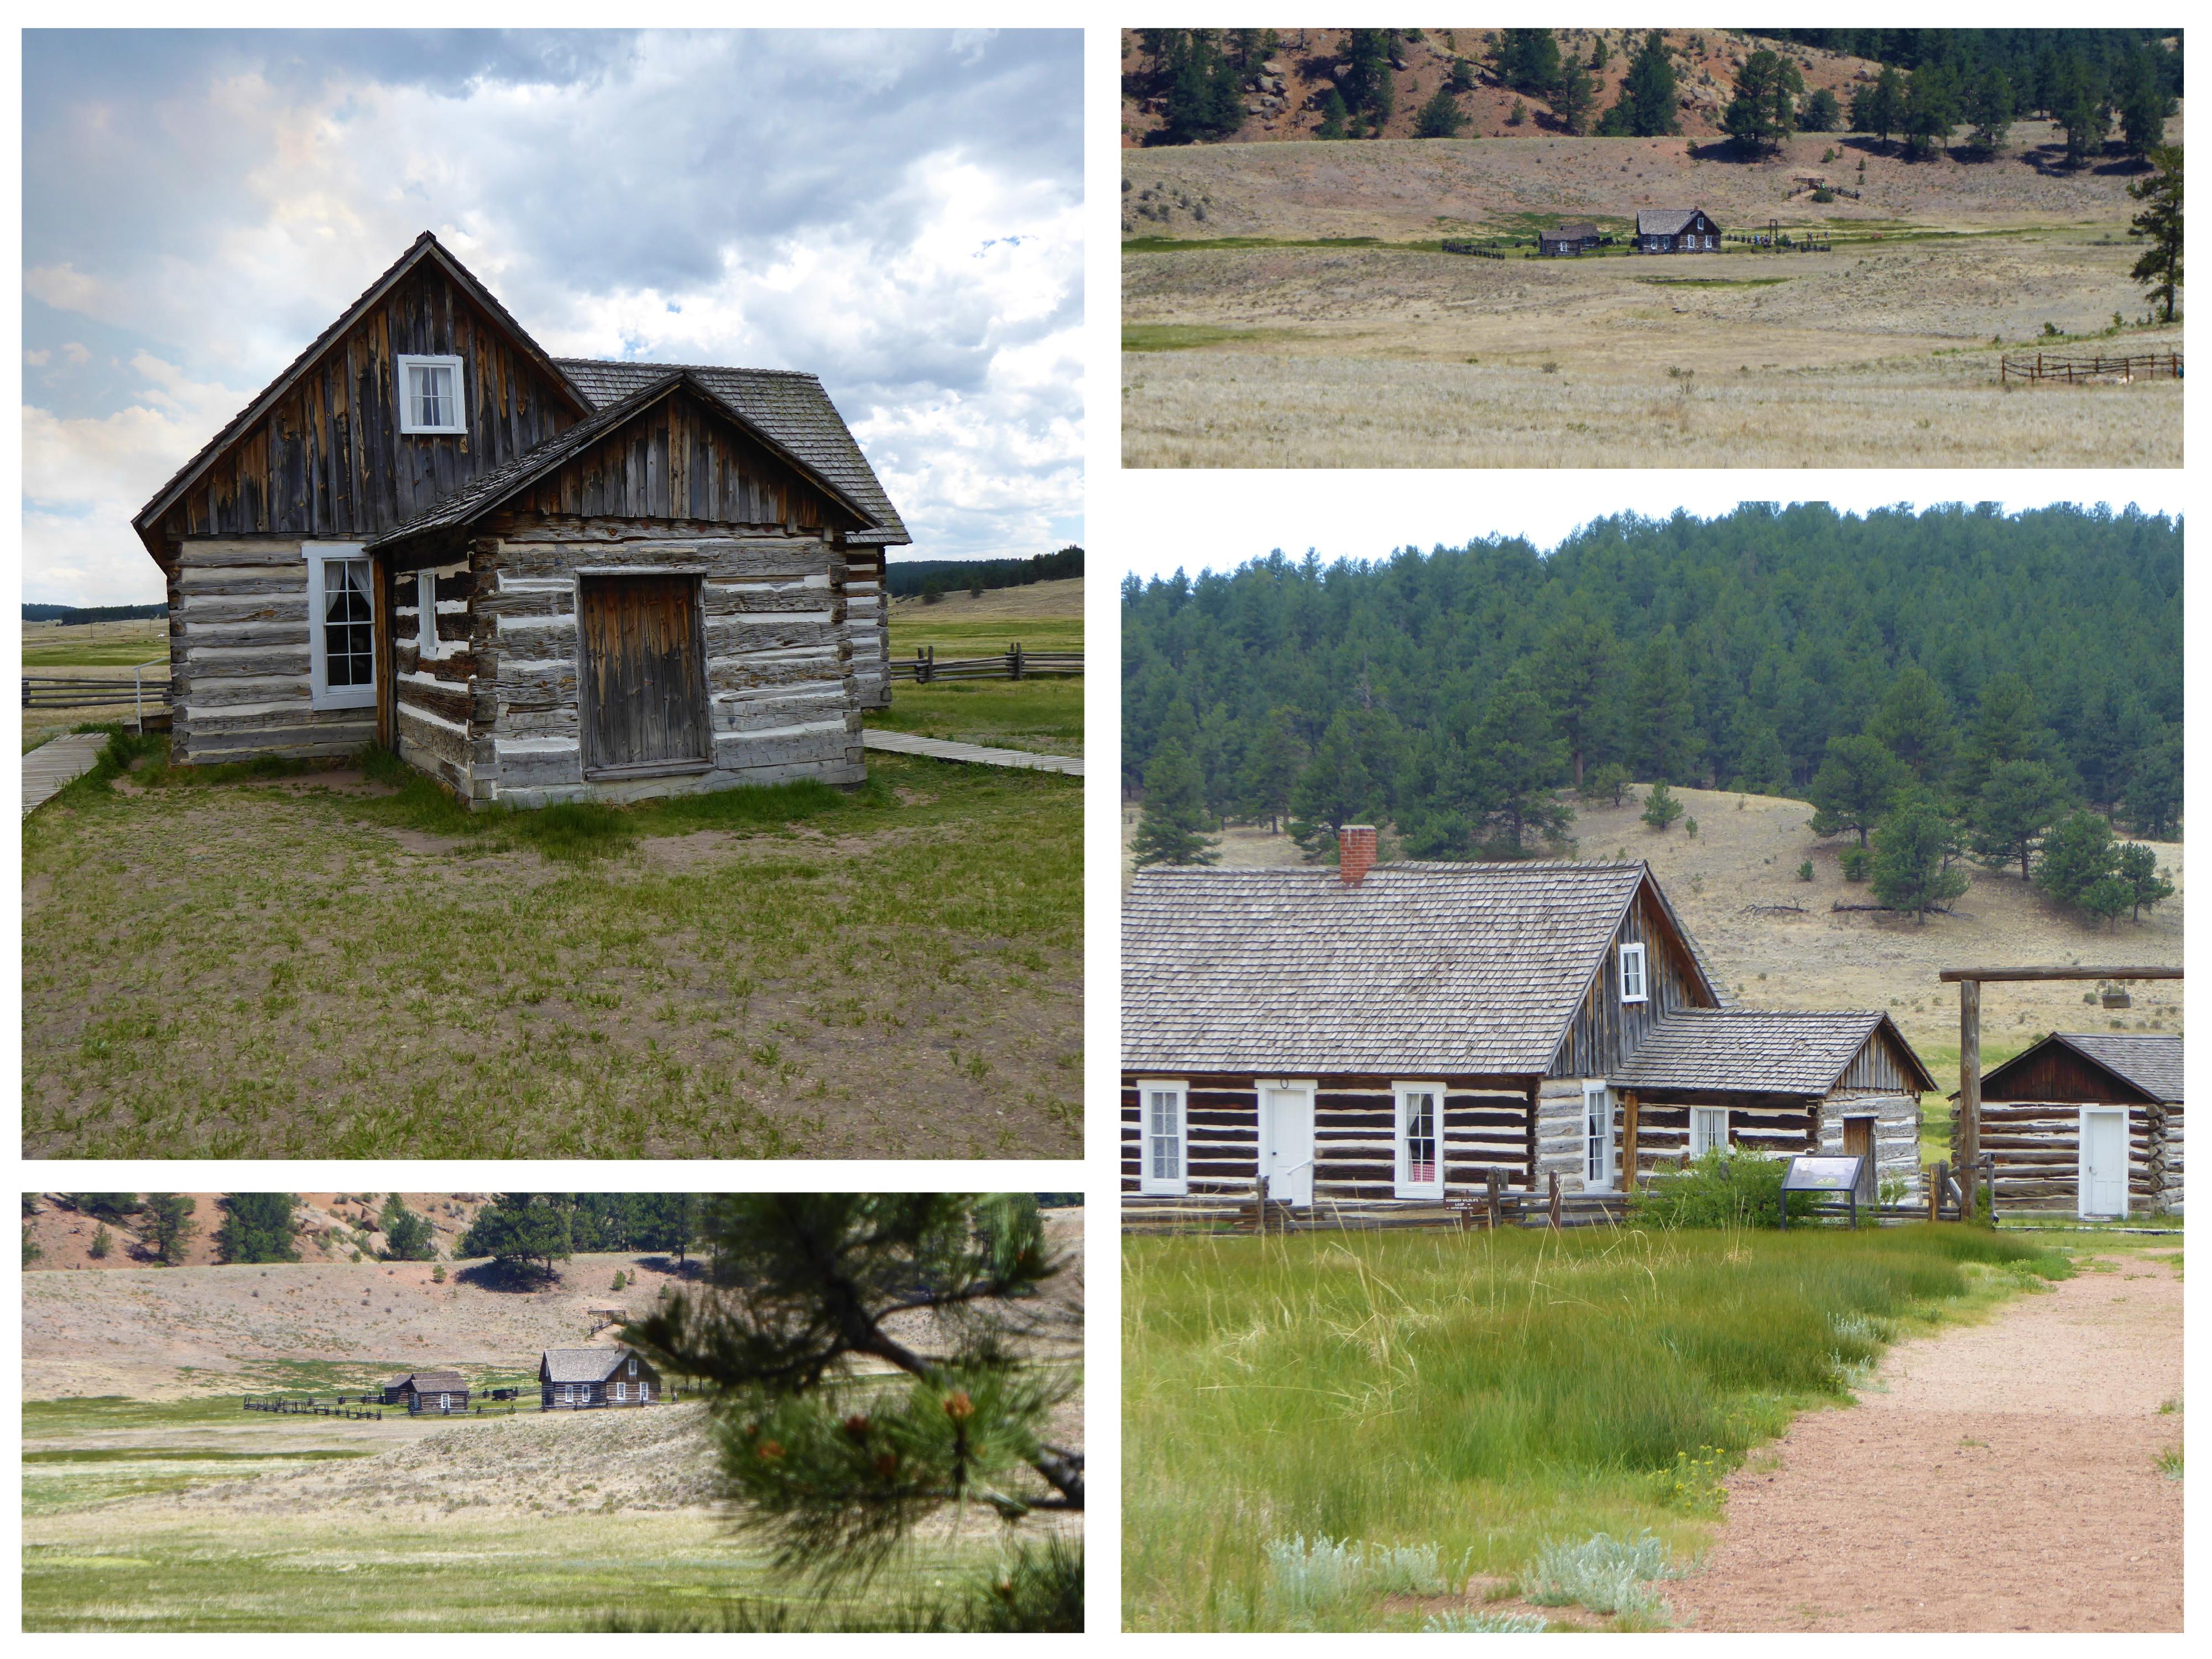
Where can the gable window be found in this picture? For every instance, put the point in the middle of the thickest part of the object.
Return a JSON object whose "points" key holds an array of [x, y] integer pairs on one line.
{"points": [[430, 394], [1164, 1110], [341, 628], [1632, 973], [633, 1364], [1597, 1137], [1420, 1171], [1709, 1130]]}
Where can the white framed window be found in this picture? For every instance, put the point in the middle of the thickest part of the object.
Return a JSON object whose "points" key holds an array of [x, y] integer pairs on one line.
{"points": [[340, 627], [1709, 1130], [1597, 1137], [1632, 973], [1420, 1158], [633, 1364], [430, 395], [622, 1391], [1165, 1109], [645, 1393], [426, 612]]}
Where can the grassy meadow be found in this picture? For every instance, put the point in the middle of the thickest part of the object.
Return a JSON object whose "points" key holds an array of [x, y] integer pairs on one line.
{"points": [[265, 961], [1338, 1430], [1041, 715]]}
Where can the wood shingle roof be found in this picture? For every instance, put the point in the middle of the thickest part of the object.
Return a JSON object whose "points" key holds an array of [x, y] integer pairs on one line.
{"points": [[1422, 968], [2149, 1062], [1759, 1051], [582, 1364], [1664, 221], [443, 1381]]}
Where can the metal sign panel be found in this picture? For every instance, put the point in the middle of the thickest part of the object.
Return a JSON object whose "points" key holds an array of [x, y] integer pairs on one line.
{"points": [[1822, 1175]]}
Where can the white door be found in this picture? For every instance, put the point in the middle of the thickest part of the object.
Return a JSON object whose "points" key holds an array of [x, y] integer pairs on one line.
{"points": [[1597, 1137], [2104, 1163], [1286, 1144]]}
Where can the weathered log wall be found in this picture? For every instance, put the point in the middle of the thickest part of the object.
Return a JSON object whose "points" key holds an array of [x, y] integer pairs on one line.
{"points": [[782, 699], [1486, 1124], [1896, 1133], [239, 629], [867, 618], [433, 701], [2036, 1146]]}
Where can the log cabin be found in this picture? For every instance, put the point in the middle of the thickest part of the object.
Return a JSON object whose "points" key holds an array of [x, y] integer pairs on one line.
{"points": [[535, 579], [2085, 1123], [437, 1392], [1567, 240], [1676, 230], [584, 1379], [1381, 1037]]}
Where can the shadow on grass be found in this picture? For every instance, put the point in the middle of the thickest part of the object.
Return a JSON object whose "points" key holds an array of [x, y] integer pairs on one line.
{"points": [[507, 1277]]}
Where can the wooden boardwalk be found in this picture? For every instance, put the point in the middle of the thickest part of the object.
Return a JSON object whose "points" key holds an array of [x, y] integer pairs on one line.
{"points": [[52, 766], [905, 742]]}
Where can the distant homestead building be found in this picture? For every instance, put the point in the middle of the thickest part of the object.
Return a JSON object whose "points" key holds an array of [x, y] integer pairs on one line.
{"points": [[2087, 1122], [1676, 230], [535, 579], [436, 1392], [1568, 240], [578, 1379], [1379, 1036]]}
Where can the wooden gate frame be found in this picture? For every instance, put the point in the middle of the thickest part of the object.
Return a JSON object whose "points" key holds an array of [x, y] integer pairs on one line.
{"points": [[1969, 982]]}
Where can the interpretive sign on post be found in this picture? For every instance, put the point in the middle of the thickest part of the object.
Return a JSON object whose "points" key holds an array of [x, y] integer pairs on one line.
{"points": [[1837, 1177]]}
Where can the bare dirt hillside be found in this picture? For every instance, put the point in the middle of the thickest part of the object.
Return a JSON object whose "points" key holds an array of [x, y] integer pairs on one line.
{"points": [[1283, 94], [332, 1225], [1746, 853], [1420, 190], [172, 1333]]}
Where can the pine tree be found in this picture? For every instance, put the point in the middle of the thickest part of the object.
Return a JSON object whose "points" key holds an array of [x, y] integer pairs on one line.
{"points": [[1914, 723], [1819, 112], [1333, 115], [1580, 671], [2152, 795], [102, 1243], [2160, 223], [257, 1227], [2075, 108], [1646, 108], [1271, 766], [1666, 717], [1878, 105], [1573, 95], [1661, 808], [525, 1232], [1761, 764], [2005, 727], [1762, 112], [1931, 110], [1171, 830], [1368, 89], [1523, 758], [2014, 809], [1911, 870], [1440, 117], [2077, 854], [2144, 105], [1855, 787], [1348, 780], [1988, 109], [407, 1235], [831, 1470], [165, 1226], [2147, 887]]}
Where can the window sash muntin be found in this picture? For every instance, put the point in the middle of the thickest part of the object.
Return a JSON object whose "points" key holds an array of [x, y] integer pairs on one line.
{"points": [[1419, 1139]]}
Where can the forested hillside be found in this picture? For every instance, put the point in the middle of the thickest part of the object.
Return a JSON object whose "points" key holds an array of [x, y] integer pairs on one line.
{"points": [[2003, 670]]}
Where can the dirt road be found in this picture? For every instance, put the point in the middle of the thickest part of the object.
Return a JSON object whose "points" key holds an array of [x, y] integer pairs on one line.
{"points": [[1997, 1477]]}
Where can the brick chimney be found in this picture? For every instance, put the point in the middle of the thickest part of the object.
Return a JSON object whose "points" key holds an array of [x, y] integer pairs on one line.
{"points": [[1355, 849]]}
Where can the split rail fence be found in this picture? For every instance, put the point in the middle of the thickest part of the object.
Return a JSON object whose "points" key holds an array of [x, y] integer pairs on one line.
{"points": [[1014, 663], [2085, 370], [306, 1407]]}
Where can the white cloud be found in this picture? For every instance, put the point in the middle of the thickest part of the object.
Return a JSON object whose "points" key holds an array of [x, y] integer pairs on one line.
{"points": [[870, 207]]}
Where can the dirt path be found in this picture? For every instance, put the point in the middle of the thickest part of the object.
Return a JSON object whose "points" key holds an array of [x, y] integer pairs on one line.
{"points": [[1998, 1477]]}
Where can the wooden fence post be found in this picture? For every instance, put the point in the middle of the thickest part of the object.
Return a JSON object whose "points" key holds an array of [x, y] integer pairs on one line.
{"points": [[1935, 1191], [1970, 1088], [1628, 1150], [1018, 659], [1493, 1180], [1555, 1200]]}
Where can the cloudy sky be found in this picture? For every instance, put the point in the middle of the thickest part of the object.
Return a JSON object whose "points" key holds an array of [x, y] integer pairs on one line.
{"points": [[898, 213]]}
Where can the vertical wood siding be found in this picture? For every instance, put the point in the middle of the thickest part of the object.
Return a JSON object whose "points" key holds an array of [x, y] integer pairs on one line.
{"points": [[328, 461], [1605, 1030]]}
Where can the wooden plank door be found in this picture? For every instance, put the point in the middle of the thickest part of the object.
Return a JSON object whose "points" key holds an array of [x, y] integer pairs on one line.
{"points": [[645, 677], [1858, 1142]]}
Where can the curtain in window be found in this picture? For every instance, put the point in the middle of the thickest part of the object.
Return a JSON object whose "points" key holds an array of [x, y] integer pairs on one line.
{"points": [[1420, 1139], [432, 392], [348, 623]]}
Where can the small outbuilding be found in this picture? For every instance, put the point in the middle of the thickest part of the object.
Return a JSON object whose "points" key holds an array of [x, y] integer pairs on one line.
{"points": [[438, 1392], [1676, 230], [1568, 240], [2086, 1121], [578, 1379], [1780, 1083]]}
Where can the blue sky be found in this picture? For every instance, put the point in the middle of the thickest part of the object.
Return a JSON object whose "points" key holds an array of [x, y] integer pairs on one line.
{"points": [[897, 212]]}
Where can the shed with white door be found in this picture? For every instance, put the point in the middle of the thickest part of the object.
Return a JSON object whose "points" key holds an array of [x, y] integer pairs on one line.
{"points": [[2087, 1123]]}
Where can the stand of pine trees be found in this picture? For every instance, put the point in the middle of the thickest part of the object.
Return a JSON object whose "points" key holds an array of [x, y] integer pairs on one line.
{"points": [[1954, 678]]}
